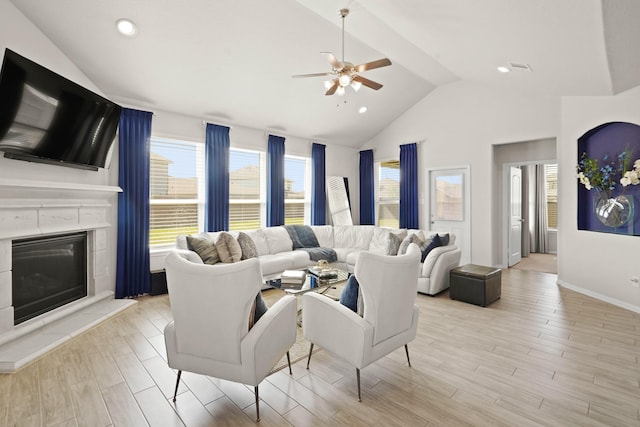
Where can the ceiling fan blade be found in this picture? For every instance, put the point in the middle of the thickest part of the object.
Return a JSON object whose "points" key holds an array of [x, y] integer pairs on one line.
{"points": [[333, 60], [297, 76], [333, 88], [371, 65], [367, 82]]}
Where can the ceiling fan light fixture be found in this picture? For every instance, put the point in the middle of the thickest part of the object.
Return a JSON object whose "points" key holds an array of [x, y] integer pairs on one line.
{"points": [[356, 85], [340, 91], [344, 80], [328, 84]]}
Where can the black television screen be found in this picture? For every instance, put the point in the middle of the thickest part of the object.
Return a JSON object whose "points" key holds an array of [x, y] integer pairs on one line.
{"points": [[45, 117]]}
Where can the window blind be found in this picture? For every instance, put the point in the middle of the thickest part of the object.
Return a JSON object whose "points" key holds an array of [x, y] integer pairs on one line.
{"points": [[176, 172], [245, 190], [389, 194]]}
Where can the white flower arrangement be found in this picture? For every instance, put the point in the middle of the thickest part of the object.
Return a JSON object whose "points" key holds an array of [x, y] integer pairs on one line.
{"points": [[631, 177]]}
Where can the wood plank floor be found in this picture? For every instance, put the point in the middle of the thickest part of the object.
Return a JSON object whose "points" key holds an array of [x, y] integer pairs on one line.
{"points": [[541, 355]]}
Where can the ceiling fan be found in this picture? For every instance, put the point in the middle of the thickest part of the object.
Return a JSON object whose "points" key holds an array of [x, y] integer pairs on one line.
{"points": [[345, 73]]}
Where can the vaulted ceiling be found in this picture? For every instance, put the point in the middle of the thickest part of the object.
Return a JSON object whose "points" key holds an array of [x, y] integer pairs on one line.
{"points": [[231, 61]]}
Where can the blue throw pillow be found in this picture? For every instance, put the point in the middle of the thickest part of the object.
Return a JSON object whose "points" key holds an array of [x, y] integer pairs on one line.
{"points": [[349, 296], [435, 242]]}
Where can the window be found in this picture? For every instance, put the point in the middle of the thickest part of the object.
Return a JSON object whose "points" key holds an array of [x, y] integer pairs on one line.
{"points": [[551, 179], [176, 192], [246, 190], [389, 194], [297, 194], [449, 205]]}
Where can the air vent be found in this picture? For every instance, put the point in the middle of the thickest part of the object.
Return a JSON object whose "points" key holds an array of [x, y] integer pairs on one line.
{"points": [[520, 66]]}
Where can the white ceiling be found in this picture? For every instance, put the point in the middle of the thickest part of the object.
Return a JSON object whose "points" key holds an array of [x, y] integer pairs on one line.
{"points": [[231, 61]]}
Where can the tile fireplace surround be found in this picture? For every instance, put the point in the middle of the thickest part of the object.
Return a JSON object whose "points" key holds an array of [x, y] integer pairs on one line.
{"points": [[39, 208]]}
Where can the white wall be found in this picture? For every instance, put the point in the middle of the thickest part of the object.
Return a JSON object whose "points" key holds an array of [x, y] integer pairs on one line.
{"points": [[459, 123], [20, 35], [598, 264]]}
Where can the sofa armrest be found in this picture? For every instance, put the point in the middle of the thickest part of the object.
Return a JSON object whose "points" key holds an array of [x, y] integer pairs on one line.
{"points": [[336, 328], [439, 278], [189, 255], [432, 259], [270, 338]]}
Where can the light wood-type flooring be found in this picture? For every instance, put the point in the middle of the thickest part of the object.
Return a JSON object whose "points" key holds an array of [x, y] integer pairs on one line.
{"points": [[541, 355]]}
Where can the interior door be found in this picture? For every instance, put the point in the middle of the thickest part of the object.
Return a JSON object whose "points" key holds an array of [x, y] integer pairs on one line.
{"points": [[515, 215], [449, 207]]}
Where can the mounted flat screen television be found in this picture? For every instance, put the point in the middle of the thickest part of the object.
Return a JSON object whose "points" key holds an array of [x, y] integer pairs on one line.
{"points": [[47, 118]]}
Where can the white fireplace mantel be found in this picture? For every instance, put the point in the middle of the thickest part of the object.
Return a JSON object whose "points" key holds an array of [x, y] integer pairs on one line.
{"points": [[20, 188], [30, 208]]}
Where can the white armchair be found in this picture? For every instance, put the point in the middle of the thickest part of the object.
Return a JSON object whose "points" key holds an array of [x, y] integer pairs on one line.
{"points": [[210, 334], [388, 286]]}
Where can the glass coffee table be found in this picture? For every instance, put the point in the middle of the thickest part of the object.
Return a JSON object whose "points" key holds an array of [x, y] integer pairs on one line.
{"points": [[312, 283]]}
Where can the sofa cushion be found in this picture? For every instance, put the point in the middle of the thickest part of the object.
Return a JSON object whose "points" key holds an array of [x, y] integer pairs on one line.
{"points": [[444, 238], [205, 247], [277, 263], [299, 259], [324, 234], [386, 241], [352, 256], [352, 236], [259, 240], [380, 241], [228, 248], [278, 239], [247, 246]]}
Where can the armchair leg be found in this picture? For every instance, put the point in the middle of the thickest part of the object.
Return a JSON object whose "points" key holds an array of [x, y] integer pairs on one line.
{"points": [[175, 393], [358, 378], [309, 359], [406, 349], [257, 404], [289, 363]]}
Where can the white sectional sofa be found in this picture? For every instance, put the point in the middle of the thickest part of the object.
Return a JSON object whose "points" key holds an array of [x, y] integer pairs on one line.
{"points": [[275, 251]]}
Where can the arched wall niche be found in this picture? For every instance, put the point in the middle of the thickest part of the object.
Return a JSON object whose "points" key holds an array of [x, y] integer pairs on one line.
{"points": [[605, 144]]}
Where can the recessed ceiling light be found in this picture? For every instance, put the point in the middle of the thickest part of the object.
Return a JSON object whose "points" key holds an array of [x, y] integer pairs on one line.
{"points": [[503, 69], [126, 27], [362, 110]]}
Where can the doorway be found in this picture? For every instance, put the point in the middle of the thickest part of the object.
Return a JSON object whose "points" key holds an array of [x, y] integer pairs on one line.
{"points": [[524, 155], [532, 216]]}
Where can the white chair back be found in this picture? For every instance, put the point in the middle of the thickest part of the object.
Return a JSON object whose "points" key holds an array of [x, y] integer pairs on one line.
{"points": [[388, 285], [211, 305]]}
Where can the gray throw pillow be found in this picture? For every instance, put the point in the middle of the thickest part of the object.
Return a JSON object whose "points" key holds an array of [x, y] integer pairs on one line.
{"points": [[247, 246], [394, 244], [417, 238], [228, 248], [205, 247]]}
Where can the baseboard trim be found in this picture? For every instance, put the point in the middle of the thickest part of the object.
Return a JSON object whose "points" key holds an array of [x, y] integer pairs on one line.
{"points": [[598, 296]]}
